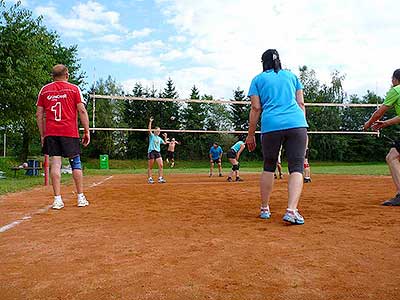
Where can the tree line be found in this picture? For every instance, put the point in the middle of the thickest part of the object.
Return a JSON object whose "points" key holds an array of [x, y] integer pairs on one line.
{"points": [[28, 50]]}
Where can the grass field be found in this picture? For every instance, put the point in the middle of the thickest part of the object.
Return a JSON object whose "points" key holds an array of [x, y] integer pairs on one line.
{"points": [[21, 181]]}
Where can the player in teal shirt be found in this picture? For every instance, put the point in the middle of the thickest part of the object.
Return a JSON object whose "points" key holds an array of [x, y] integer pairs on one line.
{"points": [[215, 158], [277, 95], [153, 153], [233, 156], [392, 158]]}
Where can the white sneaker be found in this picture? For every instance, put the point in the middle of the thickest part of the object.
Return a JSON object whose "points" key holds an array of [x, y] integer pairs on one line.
{"points": [[82, 202], [161, 180], [150, 180], [58, 204]]}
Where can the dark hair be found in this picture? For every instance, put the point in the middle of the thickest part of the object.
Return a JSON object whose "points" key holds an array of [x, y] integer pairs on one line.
{"points": [[215, 143], [270, 60], [396, 74]]}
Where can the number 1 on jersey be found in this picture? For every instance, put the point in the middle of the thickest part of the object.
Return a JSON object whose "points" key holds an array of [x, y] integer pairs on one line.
{"points": [[56, 108]]}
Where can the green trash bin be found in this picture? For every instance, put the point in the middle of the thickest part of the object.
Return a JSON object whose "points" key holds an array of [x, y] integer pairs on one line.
{"points": [[104, 161]]}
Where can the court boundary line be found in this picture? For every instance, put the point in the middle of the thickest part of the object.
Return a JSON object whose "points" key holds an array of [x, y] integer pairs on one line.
{"points": [[42, 210]]}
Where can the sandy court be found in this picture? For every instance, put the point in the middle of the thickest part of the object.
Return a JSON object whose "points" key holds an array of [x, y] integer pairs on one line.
{"points": [[199, 238]]}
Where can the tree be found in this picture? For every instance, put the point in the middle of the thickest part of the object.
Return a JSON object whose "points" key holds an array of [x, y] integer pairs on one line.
{"points": [[27, 53], [168, 113], [194, 117], [136, 114], [108, 114], [239, 112]]}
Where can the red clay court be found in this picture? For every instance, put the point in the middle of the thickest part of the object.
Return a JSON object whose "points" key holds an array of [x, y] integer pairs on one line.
{"points": [[199, 238]]}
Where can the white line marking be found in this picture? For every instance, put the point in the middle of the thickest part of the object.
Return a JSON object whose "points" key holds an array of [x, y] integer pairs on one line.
{"points": [[41, 210]]}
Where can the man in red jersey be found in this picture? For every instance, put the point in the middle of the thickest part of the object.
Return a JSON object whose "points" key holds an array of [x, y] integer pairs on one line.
{"points": [[58, 106]]}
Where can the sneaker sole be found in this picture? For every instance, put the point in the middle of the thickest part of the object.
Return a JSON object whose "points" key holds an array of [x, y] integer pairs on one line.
{"points": [[293, 222], [265, 217], [83, 204], [57, 207]]}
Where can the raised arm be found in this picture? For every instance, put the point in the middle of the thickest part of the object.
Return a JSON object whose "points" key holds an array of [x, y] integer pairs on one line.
{"points": [[83, 116], [254, 116], [150, 121]]}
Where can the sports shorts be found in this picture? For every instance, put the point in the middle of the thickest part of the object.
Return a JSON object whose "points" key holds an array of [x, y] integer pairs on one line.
{"points": [[61, 146], [216, 161], [294, 142], [153, 155], [231, 154], [170, 154]]}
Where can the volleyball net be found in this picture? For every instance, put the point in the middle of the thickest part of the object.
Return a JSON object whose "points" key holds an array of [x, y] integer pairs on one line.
{"points": [[95, 97]]}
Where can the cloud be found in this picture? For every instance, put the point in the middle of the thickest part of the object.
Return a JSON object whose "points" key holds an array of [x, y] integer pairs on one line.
{"points": [[91, 17], [109, 38], [139, 33], [144, 54], [357, 38]]}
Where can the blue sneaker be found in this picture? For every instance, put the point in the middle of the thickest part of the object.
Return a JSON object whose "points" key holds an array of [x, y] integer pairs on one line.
{"points": [[265, 213], [293, 217]]}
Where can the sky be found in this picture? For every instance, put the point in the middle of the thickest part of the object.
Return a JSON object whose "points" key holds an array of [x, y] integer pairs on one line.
{"points": [[217, 44]]}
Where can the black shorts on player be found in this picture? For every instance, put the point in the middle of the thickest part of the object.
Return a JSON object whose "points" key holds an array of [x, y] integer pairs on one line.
{"points": [[170, 155], [153, 155], [61, 146], [216, 161], [231, 154]]}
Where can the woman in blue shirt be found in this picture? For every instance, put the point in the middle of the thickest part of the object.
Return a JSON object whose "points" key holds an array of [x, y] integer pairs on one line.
{"points": [[277, 95]]}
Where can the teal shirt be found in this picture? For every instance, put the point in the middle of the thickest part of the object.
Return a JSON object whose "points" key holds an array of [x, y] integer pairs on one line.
{"points": [[236, 147], [154, 143], [277, 93]]}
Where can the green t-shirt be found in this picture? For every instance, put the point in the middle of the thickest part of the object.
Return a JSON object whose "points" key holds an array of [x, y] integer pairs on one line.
{"points": [[393, 98]]}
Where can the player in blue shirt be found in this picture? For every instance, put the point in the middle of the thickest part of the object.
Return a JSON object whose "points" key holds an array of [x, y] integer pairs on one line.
{"points": [[277, 95], [153, 153], [216, 158], [233, 155]]}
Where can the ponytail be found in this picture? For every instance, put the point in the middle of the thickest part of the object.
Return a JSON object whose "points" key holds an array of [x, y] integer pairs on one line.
{"points": [[270, 60]]}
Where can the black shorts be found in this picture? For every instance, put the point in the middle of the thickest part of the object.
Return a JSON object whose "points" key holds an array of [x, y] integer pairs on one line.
{"points": [[231, 154], [216, 161], [153, 155], [61, 146], [294, 142], [170, 154]]}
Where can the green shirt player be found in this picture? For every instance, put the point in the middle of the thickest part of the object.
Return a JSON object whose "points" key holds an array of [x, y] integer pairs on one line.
{"points": [[393, 157]]}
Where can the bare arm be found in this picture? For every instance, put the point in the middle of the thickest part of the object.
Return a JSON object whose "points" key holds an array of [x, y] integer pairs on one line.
{"points": [[40, 121], [254, 116], [378, 125], [300, 100], [150, 121], [83, 116], [240, 151], [376, 116]]}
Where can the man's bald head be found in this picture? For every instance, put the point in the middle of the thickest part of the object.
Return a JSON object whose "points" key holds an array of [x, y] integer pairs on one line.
{"points": [[60, 72]]}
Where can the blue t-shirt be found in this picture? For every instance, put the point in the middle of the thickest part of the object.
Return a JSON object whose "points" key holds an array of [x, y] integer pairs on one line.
{"points": [[154, 142], [236, 147], [215, 152], [277, 92]]}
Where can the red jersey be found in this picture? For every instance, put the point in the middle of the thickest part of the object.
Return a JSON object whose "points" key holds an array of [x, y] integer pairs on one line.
{"points": [[59, 100]]}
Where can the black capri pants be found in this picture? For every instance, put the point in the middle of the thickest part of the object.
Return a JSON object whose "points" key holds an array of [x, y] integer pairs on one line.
{"points": [[294, 142]]}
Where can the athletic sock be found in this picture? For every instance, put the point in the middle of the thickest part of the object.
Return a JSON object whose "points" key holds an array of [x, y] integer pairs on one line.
{"points": [[80, 196], [58, 198]]}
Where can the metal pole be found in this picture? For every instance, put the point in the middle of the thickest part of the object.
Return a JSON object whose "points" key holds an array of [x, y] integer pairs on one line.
{"points": [[94, 98]]}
